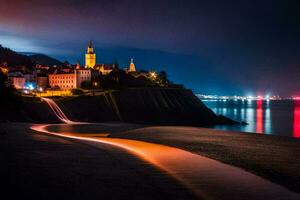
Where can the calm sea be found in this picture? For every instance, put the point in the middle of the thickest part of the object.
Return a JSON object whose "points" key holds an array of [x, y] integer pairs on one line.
{"points": [[265, 117]]}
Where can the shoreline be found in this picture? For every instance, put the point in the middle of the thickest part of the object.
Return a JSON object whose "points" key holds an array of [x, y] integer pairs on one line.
{"points": [[209, 175], [274, 158], [40, 166]]}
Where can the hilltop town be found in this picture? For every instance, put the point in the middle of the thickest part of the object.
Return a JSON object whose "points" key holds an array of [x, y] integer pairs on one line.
{"points": [[63, 79], [95, 92]]}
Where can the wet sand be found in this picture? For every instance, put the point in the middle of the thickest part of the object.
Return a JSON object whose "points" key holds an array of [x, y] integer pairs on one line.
{"points": [[233, 148], [207, 178], [272, 157], [37, 166]]}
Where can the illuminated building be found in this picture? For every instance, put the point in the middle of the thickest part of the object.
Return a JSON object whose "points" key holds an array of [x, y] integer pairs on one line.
{"points": [[131, 67], [82, 75], [66, 81], [41, 67], [90, 57], [17, 81], [30, 78], [62, 81], [105, 68], [20, 80], [4, 69], [42, 82], [90, 61]]}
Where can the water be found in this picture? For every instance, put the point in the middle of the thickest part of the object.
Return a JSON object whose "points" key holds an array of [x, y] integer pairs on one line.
{"points": [[264, 117]]}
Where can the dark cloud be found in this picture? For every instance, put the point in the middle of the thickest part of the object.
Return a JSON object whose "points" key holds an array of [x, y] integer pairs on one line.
{"points": [[250, 46]]}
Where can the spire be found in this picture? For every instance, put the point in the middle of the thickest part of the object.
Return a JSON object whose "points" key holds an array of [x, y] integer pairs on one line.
{"points": [[78, 65], [132, 66], [90, 47]]}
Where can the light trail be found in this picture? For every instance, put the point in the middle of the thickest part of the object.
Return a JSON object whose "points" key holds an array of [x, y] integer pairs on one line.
{"points": [[206, 178], [57, 111]]}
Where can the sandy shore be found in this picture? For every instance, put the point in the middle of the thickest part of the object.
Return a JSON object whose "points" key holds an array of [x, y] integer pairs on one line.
{"points": [[205, 177], [39, 156], [272, 157], [37, 166]]}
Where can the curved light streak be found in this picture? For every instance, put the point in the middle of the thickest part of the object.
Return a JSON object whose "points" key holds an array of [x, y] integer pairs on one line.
{"points": [[57, 111], [207, 178]]}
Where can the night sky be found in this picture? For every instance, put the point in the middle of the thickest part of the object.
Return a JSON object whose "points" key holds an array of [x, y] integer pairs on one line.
{"points": [[221, 47]]}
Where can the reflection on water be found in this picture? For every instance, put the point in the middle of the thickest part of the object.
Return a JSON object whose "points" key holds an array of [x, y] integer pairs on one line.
{"points": [[296, 128], [259, 116], [262, 116]]}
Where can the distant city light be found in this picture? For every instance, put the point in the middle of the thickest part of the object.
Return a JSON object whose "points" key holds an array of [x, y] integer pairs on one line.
{"points": [[249, 98], [296, 98]]}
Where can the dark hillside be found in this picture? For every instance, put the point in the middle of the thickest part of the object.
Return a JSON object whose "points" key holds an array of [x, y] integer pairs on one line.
{"points": [[44, 60], [12, 58], [144, 106], [149, 106]]}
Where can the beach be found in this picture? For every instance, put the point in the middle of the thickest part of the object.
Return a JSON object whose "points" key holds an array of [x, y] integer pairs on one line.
{"points": [[272, 157], [63, 163], [37, 166]]}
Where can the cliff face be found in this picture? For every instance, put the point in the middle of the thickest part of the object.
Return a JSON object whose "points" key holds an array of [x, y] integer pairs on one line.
{"points": [[163, 106], [88, 108], [34, 110], [149, 106]]}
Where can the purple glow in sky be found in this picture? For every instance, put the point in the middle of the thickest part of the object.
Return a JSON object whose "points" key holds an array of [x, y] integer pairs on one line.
{"points": [[216, 46]]}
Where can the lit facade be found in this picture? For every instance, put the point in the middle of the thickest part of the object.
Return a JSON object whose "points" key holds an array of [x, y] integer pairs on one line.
{"points": [[90, 57], [30, 78], [67, 81], [131, 67], [42, 82], [90, 62], [17, 81], [105, 69], [62, 81], [82, 75]]}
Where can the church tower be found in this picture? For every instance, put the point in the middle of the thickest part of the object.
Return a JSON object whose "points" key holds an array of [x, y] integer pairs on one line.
{"points": [[131, 66], [90, 56]]}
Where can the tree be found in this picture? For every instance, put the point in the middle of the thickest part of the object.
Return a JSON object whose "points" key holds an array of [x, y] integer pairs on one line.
{"points": [[86, 85], [76, 91], [163, 79], [10, 101], [116, 64]]}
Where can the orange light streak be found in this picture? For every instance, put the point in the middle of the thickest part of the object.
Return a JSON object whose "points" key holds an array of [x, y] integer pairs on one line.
{"points": [[203, 176]]}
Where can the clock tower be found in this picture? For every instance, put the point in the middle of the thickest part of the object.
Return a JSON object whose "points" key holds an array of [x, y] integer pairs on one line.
{"points": [[90, 56]]}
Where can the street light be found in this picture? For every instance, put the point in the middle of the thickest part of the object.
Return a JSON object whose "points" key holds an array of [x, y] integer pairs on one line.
{"points": [[153, 75]]}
